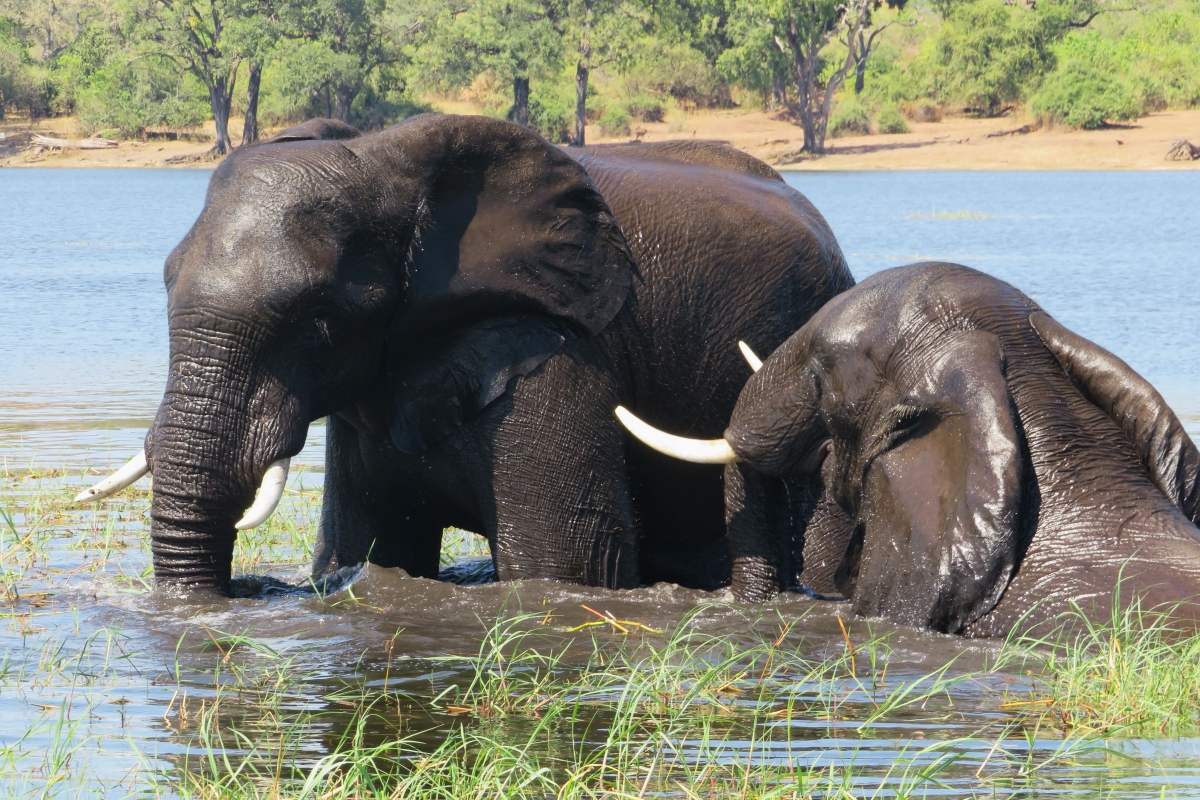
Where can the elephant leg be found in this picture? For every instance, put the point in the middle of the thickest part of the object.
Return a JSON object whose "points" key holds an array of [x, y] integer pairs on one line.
{"points": [[561, 493], [759, 548], [367, 512]]}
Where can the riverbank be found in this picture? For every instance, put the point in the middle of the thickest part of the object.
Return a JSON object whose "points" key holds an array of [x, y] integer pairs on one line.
{"points": [[956, 143]]}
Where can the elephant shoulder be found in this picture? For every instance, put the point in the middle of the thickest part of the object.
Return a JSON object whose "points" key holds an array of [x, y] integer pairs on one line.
{"points": [[454, 376], [705, 153]]}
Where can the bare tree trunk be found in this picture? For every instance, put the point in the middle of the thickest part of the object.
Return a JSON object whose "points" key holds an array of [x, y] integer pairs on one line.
{"points": [[860, 66], [581, 83], [778, 92], [328, 104], [345, 98], [582, 70], [250, 127], [520, 109], [219, 95]]}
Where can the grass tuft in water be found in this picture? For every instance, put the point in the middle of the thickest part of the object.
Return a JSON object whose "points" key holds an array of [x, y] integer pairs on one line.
{"points": [[1136, 675]]}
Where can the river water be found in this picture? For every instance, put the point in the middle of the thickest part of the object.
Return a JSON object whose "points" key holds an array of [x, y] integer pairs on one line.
{"points": [[1115, 256]]}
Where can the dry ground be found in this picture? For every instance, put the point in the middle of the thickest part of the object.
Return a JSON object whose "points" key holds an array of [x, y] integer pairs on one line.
{"points": [[955, 143]]}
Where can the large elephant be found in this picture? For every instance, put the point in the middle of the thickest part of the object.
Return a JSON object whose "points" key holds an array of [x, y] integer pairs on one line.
{"points": [[974, 461], [465, 303]]}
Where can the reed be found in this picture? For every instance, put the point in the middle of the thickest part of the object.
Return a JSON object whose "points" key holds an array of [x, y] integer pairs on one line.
{"points": [[1137, 674]]}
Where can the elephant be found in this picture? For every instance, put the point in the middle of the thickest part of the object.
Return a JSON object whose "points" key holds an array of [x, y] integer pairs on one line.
{"points": [[974, 465], [464, 303]]}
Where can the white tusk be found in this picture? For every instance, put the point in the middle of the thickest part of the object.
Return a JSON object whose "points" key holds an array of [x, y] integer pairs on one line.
{"points": [[699, 451], [754, 361], [267, 497], [134, 468]]}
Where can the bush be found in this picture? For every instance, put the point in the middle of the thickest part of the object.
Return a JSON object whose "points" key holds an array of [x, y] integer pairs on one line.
{"points": [[615, 122], [922, 111], [132, 96], [645, 109], [849, 119], [1083, 96], [551, 115], [987, 53], [890, 120]]}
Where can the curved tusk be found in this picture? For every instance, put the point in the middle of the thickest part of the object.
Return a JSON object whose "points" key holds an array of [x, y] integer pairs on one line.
{"points": [[267, 497], [754, 361], [134, 468], [699, 451]]}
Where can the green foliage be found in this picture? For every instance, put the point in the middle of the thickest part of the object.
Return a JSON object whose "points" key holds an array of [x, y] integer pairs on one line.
{"points": [[1083, 96], [985, 55], [131, 96], [890, 120], [615, 122], [552, 112], [119, 63], [849, 119]]}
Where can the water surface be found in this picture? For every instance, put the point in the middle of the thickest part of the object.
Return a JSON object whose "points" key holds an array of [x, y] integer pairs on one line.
{"points": [[1113, 256]]}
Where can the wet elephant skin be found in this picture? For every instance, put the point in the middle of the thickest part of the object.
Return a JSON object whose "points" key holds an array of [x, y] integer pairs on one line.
{"points": [[981, 465], [466, 303]]}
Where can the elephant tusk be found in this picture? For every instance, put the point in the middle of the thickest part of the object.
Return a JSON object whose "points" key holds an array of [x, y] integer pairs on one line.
{"points": [[699, 451], [134, 468], [267, 497], [754, 361]]}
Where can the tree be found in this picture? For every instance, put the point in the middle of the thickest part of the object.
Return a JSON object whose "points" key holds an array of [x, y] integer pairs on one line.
{"points": [[253, 35], [344, 42], [866, 47], [194, 35], [513, 40], [602, 32], [801, 29], [54, 24]]}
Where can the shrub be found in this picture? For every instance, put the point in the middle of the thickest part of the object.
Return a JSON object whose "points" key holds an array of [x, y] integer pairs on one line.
{"points": [[1083, 96], [552, 116], [134, 95], [986, 54], [645, 109], [890, 120], [615, 122], [922, 111], [849, 119]]}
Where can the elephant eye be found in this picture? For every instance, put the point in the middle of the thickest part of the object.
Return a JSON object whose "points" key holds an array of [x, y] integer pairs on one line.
{"points": [[910, 422], [317, 331]]}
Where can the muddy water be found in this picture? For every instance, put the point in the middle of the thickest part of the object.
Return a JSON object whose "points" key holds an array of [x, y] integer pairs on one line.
{"points": [[102, 680]]}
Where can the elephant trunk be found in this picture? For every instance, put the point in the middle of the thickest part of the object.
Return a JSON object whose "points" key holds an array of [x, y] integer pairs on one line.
{"points": [[223, 424]]}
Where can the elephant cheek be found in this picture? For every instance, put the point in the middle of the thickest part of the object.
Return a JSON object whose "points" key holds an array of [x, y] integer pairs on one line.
{"points": [[939, 526]]}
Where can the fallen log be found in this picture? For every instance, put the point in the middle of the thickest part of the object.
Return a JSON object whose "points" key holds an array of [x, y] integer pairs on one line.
{"points": [[1183, 150], [1011, 132], [73, 144]]}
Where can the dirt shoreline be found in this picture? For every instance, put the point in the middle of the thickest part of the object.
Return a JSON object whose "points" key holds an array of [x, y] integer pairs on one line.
{"points": [[1006, 143]]}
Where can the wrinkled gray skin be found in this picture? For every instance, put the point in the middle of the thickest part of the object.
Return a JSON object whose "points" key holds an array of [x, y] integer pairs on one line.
{"points": [[971, 461], [466, 304]]}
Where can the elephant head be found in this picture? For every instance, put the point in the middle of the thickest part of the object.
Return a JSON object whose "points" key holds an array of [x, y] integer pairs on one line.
{"points": [[322, 263], [978, 456]]}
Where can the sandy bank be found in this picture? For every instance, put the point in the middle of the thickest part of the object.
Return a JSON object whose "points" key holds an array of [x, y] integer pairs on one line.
{"points": [[955, 143]]}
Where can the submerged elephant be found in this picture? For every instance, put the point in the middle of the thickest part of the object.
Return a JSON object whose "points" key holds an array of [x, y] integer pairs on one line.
{"points": [[465, 303], [974, 460]]}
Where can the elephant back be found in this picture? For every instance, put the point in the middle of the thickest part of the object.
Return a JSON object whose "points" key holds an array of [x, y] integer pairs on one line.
{"points": [[705, 153]]}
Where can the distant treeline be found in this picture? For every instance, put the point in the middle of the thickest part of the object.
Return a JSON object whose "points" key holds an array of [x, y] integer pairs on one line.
{"points": [[836, 66]]}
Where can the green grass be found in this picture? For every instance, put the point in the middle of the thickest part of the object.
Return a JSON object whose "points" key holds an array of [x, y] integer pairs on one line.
{"points": [[1137, 675]]}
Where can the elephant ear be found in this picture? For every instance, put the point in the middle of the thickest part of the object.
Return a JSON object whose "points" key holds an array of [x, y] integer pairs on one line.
{"points": [[1141, 413], [940, 502], [507, 224], [318, 128], [458, 375], [514, 250]]}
